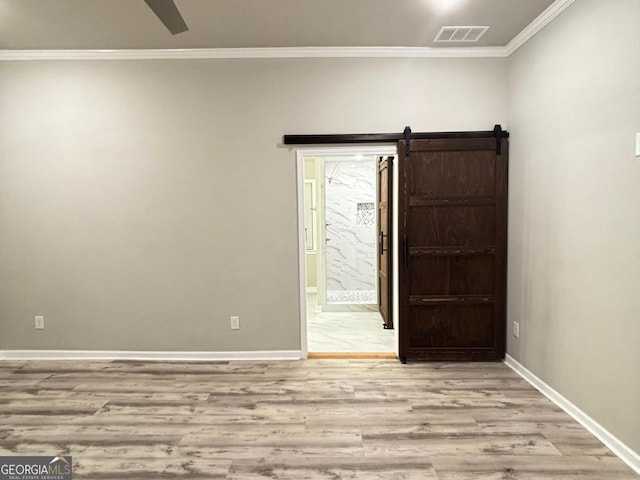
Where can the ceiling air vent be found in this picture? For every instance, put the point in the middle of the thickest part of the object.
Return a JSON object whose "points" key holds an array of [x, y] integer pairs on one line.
{"points": [[460, 34]]}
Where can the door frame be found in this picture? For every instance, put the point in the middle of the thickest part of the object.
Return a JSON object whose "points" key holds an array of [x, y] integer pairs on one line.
{"points": [[301, 154]]}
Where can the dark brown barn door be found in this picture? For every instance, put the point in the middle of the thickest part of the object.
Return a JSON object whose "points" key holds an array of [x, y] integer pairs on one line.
{"points": [[452, 225], [385, 253]]}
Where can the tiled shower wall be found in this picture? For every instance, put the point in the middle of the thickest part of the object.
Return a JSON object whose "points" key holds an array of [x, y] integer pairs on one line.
{"points": [[350, 203]]}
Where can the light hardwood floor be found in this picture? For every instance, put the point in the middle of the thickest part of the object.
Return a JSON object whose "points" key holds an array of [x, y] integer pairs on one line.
{"points": [[314, 419]]}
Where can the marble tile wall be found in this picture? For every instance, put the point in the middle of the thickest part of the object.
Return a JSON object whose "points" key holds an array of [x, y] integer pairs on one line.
{"points": [[350, 203]]}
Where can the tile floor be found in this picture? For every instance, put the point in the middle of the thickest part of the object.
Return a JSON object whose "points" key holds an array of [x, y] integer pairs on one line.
{"points": [[346, 332]]}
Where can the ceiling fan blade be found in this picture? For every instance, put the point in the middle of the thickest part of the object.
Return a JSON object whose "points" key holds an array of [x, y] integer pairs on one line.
{"points": [[168, 13]]}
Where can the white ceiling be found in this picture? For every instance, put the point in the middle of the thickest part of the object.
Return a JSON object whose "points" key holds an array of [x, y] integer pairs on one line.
{"points": [[130, 24]]}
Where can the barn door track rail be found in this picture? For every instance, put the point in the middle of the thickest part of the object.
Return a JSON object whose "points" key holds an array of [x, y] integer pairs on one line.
{"points": [[407, 135]]}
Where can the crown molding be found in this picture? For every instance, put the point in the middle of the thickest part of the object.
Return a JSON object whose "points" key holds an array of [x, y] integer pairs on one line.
{"points": [[254, 53], [555, 9], [534, 27]]}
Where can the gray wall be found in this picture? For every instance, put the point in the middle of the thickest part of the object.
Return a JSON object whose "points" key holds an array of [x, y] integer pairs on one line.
{"points": [[574, 219], [144, 202]]}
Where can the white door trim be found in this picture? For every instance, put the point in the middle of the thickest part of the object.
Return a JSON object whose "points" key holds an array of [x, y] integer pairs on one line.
{"points": [[301, 154]]}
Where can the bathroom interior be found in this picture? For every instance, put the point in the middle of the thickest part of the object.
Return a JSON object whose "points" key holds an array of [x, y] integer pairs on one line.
{"points": [[340, 236]]}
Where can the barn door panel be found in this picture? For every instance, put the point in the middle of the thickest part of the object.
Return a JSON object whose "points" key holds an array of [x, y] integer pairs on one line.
{"points": [[453, 230]]}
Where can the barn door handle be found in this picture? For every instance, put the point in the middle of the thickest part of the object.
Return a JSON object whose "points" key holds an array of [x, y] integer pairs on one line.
{"points": [[382, 235], [405, 252]]}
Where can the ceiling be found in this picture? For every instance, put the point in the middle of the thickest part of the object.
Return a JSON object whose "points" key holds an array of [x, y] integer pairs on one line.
{"points": [[130, 24]]}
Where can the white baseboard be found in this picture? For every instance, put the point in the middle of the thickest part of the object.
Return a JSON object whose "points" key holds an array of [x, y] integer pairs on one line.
{"points": [[148, 356], [627, 455]]}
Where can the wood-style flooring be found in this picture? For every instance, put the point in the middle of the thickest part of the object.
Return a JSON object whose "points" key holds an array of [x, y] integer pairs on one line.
{"points": [[314, 419]]}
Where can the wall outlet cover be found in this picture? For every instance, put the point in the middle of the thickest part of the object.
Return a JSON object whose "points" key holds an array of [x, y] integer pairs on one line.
{"points": [[235, 323], [39, 322]]}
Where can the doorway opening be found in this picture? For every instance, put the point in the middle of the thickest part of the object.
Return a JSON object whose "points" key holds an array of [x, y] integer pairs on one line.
{"points": [[338, 212]]}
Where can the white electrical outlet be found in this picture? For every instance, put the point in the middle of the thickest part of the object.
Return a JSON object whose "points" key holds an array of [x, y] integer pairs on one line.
{"points": [[516, 329], [39, 323], [235, 323], [638, 144]]}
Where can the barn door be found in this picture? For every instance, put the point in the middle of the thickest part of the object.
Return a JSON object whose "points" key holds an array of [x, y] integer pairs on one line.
{"points": [[452, 225], [385, 253]]}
